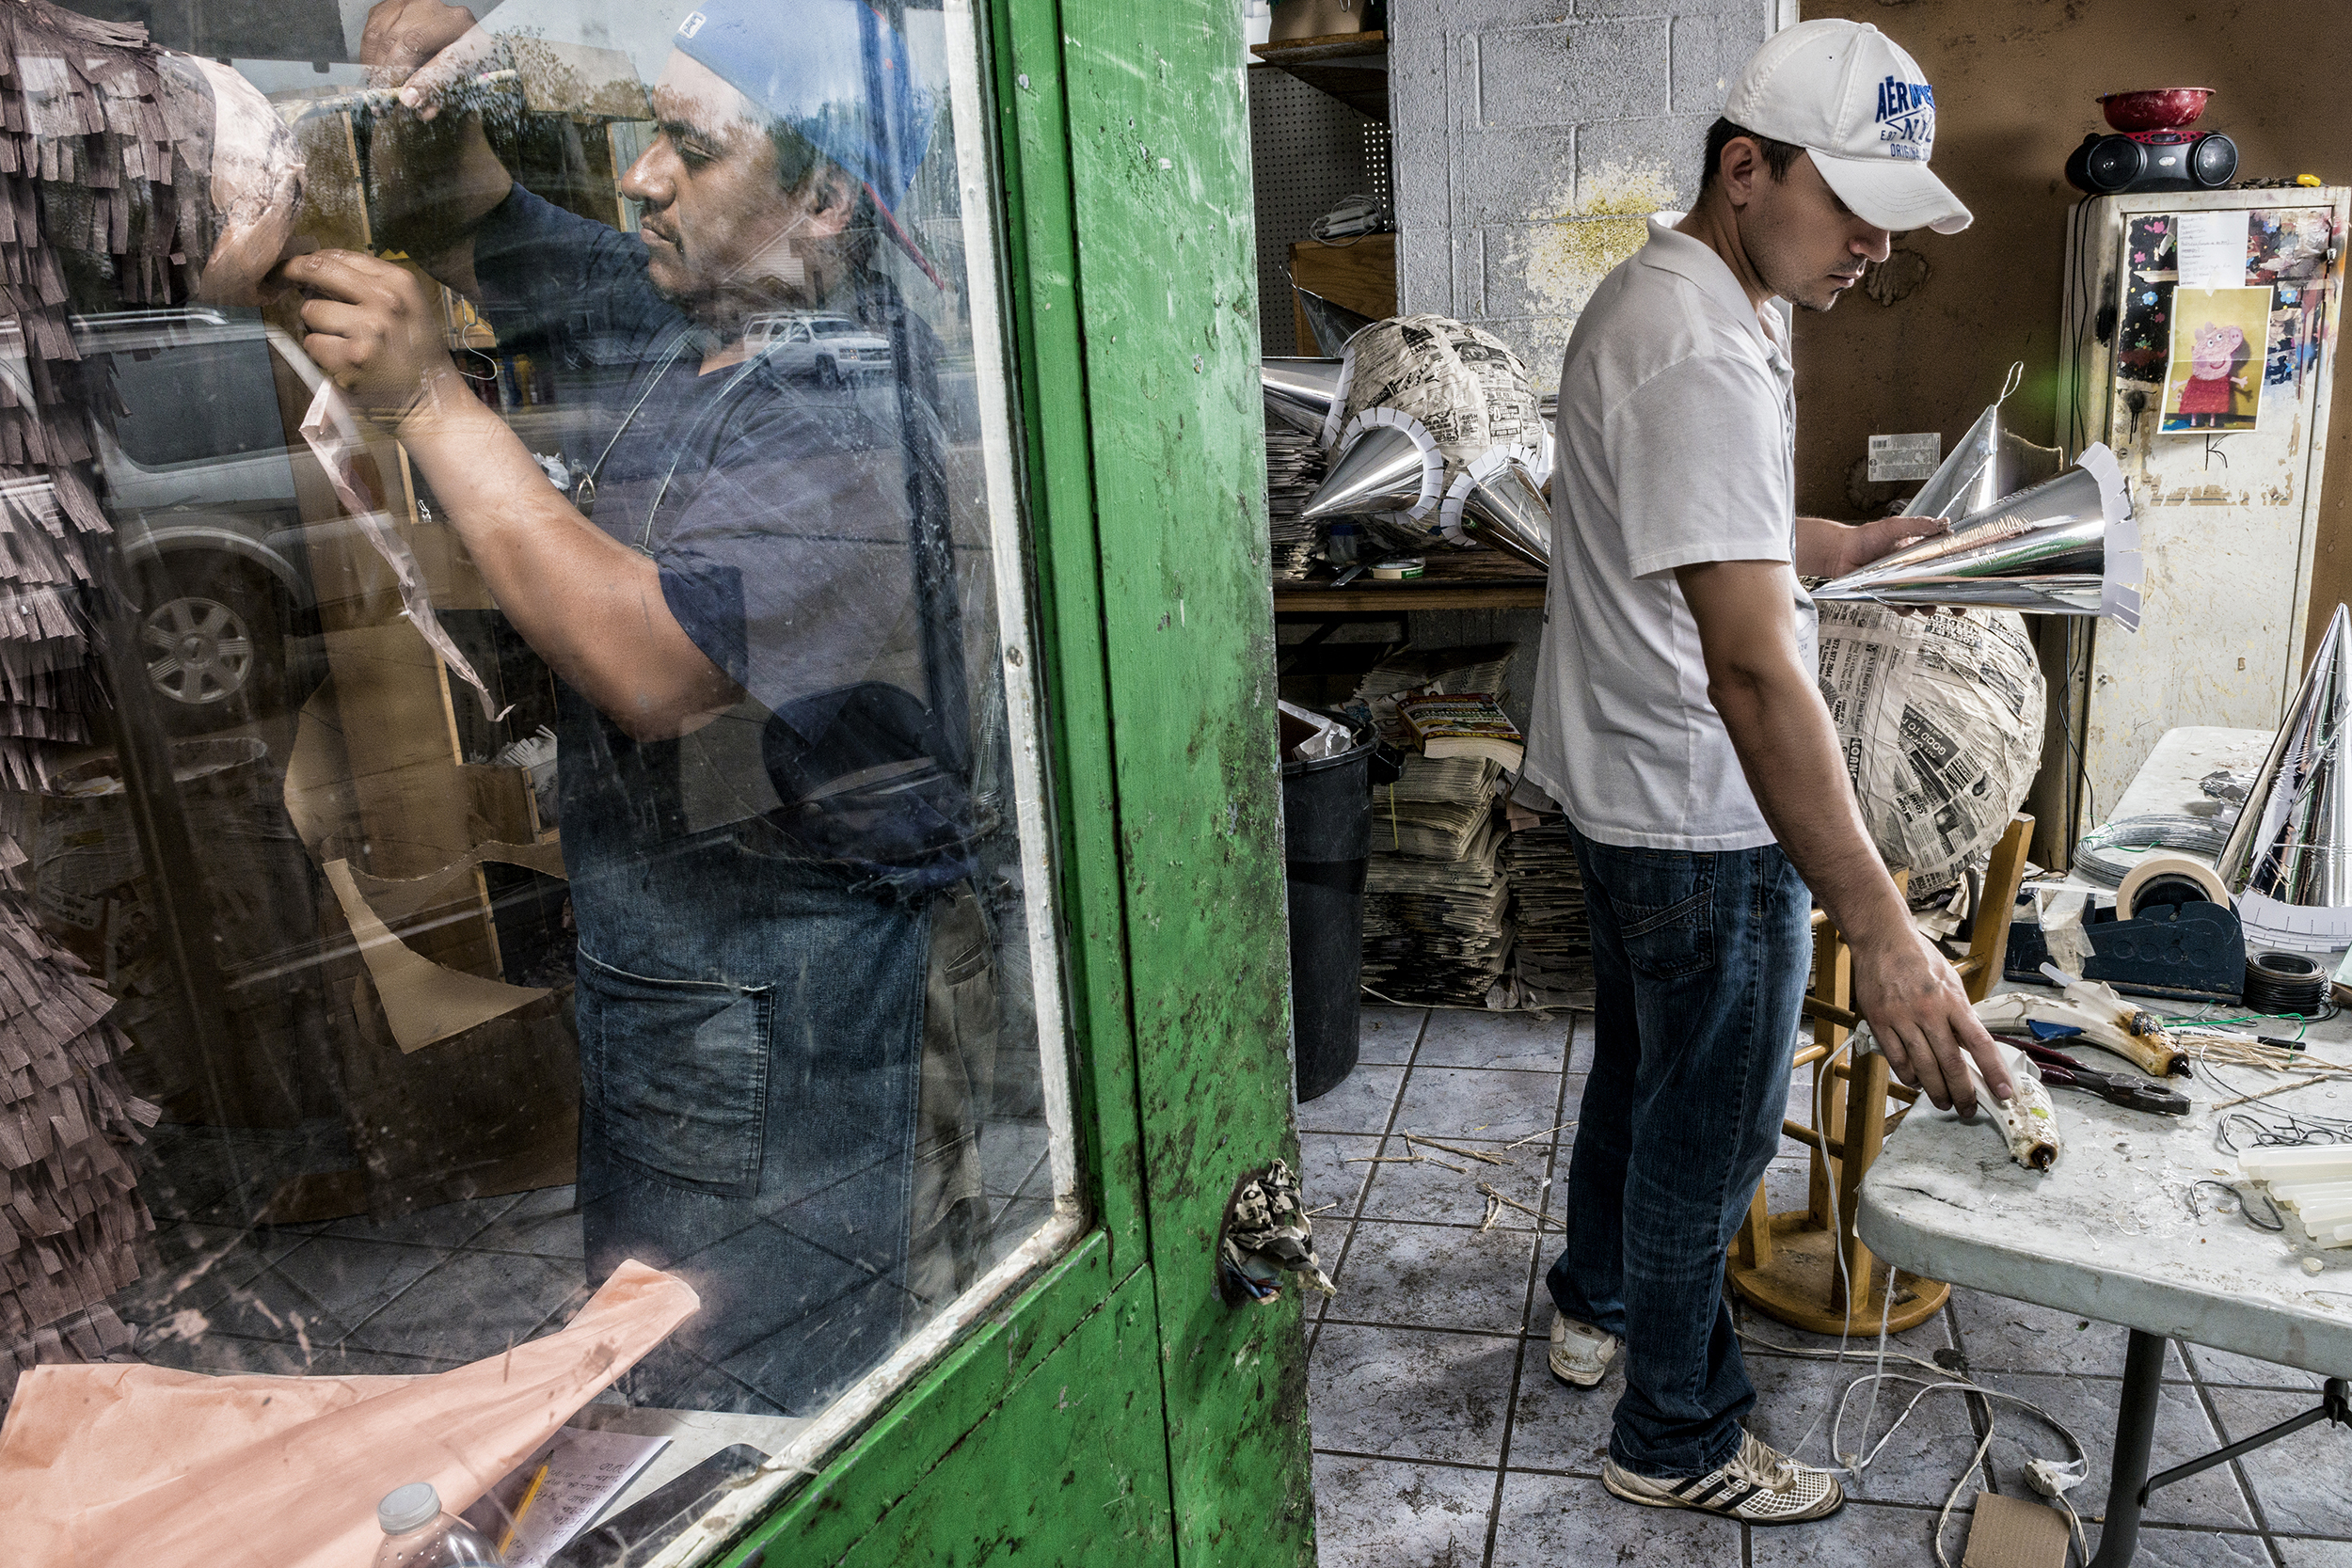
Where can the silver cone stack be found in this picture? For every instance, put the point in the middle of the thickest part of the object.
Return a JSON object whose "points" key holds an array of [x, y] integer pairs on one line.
{"points": [[1332, 324], [2289, 860], [1990, 465], [1387, 467], [2067, 547], [1500, 502], [1300, 393]]}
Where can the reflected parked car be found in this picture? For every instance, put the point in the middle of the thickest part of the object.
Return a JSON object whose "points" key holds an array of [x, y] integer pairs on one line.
{"points": [[203, 477], [199, 482], [834, 349]]}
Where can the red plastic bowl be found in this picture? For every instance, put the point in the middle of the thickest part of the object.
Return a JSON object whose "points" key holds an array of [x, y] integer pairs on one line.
{"points": [[2155, 108]]}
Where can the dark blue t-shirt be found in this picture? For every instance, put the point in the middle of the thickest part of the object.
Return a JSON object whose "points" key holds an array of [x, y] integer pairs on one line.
{"points": [[777, 513]]}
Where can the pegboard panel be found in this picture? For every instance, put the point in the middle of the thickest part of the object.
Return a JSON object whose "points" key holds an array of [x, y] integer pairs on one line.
{"points": [[1310, 152]]}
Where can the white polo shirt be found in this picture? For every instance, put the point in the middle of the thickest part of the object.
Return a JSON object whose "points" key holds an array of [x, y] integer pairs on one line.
{"points": [[1676, 445]]}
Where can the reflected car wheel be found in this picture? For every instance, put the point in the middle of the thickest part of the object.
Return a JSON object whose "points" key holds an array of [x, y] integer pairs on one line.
{"points": [[211, 644], [828, 376]]}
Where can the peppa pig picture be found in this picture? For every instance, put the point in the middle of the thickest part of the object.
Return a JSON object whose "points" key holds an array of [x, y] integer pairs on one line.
{"points": [[2214, 382]]}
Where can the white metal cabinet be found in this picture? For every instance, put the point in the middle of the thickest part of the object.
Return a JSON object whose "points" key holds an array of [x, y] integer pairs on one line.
{"points": [[2226, 517]]}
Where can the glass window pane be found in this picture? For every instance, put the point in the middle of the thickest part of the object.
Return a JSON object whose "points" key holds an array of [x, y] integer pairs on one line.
{"points": [[577, 570]]}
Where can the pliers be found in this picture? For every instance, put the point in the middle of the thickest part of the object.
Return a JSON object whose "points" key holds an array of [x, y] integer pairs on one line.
{"points": [[2133, 1093]]}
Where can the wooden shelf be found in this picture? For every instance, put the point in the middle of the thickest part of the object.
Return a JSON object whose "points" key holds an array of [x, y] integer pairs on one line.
{"points": [[1359, 274], [1351, 67], [1453, 580]]}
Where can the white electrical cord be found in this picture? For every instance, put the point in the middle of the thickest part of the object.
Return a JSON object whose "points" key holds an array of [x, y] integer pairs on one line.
{"points": [[2050, 1478]]}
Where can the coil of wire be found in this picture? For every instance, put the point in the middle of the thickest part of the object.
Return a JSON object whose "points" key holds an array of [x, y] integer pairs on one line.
{"points": [[2095, 853], [2282, 982]]}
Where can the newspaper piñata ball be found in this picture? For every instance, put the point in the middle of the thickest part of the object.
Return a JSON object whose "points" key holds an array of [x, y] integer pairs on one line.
{"points": [[1465, 386], [1939, 716]]}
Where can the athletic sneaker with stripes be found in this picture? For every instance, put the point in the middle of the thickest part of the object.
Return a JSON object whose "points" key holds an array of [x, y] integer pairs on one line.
{"points": [[1760, 1486]]}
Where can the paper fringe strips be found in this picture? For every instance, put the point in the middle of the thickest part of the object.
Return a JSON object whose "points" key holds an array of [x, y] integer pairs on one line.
{"points": [[90, 168]]}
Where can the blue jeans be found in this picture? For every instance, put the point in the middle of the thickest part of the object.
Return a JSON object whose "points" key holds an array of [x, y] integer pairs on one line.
{"points": [[1699, 962]]}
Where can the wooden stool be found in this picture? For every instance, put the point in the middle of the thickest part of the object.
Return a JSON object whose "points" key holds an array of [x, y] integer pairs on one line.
{"points": [[1786, 1265]]}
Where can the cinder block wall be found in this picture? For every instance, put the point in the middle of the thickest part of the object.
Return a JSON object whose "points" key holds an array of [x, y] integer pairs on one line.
{"points": [[1533, 137]]}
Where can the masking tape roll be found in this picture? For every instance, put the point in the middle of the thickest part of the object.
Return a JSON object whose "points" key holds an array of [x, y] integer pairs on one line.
{"points": [[2159, 869]]}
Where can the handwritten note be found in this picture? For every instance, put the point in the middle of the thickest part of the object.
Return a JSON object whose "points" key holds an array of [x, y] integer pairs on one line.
{"points": [[586, 1471], [2212, 248]]}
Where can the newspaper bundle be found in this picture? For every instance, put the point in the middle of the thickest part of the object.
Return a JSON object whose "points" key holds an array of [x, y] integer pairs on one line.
{"points": [[1939, 716]]}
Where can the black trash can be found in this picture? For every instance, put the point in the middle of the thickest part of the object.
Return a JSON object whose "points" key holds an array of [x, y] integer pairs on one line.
{"points": [[1326, 843]]}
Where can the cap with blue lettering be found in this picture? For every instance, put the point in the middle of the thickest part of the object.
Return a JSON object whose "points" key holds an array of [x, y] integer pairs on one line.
{"points": [[1850, 96], [833, 71]]}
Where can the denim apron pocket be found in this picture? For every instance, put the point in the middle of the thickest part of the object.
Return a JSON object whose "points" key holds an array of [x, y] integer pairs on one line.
{"points": [[678, 1073]]}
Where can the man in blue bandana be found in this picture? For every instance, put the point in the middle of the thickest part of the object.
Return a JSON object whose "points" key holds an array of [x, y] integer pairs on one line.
{"points": [[746, 592]]}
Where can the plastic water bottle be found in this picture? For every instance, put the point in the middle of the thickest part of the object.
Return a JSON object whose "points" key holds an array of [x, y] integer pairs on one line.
{"points": [[417, 1534]]}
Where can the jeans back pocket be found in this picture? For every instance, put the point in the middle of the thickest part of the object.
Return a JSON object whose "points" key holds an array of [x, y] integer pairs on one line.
{"points": [[679, 1074], [1664, 905]]}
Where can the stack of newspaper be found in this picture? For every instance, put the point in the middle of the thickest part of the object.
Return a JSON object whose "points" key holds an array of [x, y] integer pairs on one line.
{"points": [[1551, 958], [1293, 467], [1435, 900], [1452, 670]]}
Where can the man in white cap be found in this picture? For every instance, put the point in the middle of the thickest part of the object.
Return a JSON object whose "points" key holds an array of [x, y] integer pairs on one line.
{"points": [[1679, 723]]}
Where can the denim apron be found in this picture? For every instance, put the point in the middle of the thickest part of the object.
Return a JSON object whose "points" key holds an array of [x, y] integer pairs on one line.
{"points": [[750, 1043]]}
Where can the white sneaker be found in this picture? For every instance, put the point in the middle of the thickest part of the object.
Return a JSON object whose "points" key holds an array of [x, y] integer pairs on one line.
{"points": [[1581, 1353], [1760, 1486]]}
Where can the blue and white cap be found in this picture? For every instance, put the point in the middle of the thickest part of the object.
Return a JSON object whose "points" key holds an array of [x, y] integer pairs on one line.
{"points": [[832, 69], [1848, 95]]}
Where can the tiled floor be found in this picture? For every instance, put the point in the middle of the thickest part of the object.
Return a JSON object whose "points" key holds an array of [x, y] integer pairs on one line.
{"points": [[420, 1294], [1442, 1441]]}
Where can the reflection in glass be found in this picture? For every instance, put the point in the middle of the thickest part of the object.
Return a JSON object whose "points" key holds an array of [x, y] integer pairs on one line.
{"points": [[714, 948]]}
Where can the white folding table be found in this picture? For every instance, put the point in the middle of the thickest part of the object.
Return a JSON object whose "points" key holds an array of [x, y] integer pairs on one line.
{"points": [[2109, 1231]]}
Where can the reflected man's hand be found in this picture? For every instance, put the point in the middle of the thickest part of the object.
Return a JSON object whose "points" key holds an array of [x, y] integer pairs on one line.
{"points": [[403, 35], [375, 328]]}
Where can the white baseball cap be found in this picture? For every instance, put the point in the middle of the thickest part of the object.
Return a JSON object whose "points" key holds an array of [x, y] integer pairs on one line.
{"points": [[1846, 93]]}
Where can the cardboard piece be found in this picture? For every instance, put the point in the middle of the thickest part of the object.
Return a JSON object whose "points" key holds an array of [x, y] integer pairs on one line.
{"points": [[371, 774], [400, 898], [1316, 18], [383, 790], [118, 1466], [2010, 1532], [423, 1002]]}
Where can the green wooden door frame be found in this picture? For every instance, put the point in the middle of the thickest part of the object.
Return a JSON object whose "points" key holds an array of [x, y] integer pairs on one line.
{"points": [[1115, 1410]]}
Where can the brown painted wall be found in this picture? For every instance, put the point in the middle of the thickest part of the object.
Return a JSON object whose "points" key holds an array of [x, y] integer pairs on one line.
{"points": [[2015, 87]]}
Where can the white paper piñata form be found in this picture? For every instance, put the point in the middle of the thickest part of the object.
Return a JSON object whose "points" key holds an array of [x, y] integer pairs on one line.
{"points": [[1459, 394], [1466, 386], [1939, 716]]}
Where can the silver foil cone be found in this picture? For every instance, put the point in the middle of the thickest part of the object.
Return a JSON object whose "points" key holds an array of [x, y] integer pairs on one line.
{"points": [[2065, 547], [1383, 469], [2289, 860], [1990, 463], [1332, 325], [1300, 392], [1501, 505]]}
